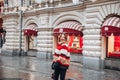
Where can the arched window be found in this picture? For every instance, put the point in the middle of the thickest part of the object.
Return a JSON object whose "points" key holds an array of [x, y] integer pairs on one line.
{"points": [[73, 31], [111, 30]]}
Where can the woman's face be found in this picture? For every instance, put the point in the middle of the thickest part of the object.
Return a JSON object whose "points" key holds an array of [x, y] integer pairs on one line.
{"points": [[62, 39]]}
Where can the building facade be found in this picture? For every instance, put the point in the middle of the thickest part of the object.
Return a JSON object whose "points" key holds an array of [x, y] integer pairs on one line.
{"points": [[92, 29]]}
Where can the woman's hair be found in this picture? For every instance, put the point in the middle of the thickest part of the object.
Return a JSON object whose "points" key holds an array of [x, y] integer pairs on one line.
{"points": [[62, 35]]}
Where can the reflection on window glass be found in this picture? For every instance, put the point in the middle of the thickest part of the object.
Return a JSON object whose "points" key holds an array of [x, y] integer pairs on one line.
{"points": [[117, 43], [75, 43], [35, 41], [114, 46]]}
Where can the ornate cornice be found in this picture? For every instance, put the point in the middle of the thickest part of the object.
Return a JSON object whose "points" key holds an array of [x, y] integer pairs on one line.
{"points": [[10, 15]]}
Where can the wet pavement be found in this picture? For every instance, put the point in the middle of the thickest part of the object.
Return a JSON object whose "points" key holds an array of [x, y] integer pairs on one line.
{"points": [[31, 68]]}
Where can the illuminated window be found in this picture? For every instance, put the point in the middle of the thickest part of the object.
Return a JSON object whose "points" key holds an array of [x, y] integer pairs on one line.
{"points": [[75, 43], [114, 46]]}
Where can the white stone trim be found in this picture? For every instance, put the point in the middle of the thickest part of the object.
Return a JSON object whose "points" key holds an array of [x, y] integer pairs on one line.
{"points": [[89, 47], [71, 15], [92, 37], [92, 42], [91, 32], [91, 53]]}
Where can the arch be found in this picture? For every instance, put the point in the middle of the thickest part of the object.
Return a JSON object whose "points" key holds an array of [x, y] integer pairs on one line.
{"points": [[106, 12], [111, 26], [28, 32], [96, 15], [68, 16], [30, 20], [30, 26], [110, 10], [70, 24]]}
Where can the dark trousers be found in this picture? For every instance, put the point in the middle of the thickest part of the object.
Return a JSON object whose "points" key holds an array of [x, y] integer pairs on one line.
{"points": [[60, 72]]}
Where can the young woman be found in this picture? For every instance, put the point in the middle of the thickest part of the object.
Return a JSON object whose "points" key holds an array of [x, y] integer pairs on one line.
{"points": [[61, 60]]}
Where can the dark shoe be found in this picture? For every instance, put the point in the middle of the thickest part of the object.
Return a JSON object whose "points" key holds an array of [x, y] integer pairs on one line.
{"points": [[52, 76]]}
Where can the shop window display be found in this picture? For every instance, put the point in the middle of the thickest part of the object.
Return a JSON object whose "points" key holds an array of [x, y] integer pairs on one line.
{"points": [[32, 42], [114, 46], [73, 31], [75, 43], [111, 30]]}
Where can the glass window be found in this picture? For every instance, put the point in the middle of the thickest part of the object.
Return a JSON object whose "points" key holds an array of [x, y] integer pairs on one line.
{"points": [[6, 3], [38, 1], [35, 41], [32, 42], [13, 3], [114, 46], [75, 1], [75, 43]]}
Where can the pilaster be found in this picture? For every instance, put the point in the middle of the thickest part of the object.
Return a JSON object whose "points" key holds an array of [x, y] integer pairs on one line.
{"points": [[10, 24]]}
